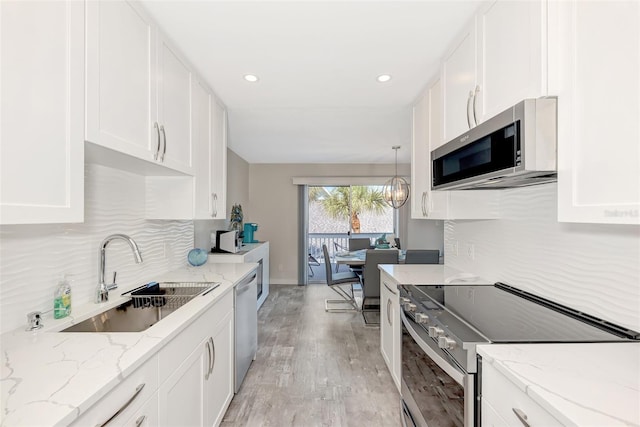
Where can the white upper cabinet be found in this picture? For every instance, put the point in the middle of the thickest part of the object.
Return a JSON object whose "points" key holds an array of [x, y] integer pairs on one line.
{"points": [[138, 88], [511, 55], [121, 96], [210, 161], [459, 84], [219, 160], [42, 105], [497, 61], [597, 65], [174, 107], [420, 162]]}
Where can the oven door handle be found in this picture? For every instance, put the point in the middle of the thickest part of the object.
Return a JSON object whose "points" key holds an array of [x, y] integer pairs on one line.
{"points": [[449, 366]]}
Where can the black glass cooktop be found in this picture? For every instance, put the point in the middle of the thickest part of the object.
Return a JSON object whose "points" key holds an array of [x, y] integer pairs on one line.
{"points": [[505, 314]]}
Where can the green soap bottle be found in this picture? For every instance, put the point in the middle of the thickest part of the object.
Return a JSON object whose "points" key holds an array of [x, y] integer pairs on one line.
{"points": [[62, 299]]}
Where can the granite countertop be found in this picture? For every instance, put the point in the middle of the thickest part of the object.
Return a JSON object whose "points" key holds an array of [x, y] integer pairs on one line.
{"points": [[50, 378], [578, 384], [431, 274]]}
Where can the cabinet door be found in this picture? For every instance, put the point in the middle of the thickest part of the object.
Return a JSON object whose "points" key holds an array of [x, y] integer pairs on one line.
{"points": [[390, 327], [181, 395], [202, 144], [218, 388], [42, 104], [459, 81], [598, 84], [219, 161], [420, 158], [511, 48], [174, 108], [121, 60]]}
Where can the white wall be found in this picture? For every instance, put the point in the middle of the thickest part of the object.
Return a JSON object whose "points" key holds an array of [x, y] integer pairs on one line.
{"points": [[590, 267], [33, 257]]}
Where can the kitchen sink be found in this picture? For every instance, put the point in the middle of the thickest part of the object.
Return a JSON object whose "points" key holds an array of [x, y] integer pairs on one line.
{"points": [[144, 309]]}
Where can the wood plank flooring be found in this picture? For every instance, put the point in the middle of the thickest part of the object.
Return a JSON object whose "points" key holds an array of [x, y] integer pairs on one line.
{"points": [[314, 368]]}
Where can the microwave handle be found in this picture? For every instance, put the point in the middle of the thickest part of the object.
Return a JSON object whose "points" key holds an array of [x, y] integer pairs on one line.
{"points": [[469, 99]]}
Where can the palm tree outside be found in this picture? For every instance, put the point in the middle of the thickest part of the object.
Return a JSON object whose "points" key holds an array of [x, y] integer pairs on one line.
{"points": [[350, 202]]}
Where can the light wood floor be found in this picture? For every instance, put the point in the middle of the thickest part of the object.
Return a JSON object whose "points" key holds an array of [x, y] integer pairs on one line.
{"points": [[314, 368]]}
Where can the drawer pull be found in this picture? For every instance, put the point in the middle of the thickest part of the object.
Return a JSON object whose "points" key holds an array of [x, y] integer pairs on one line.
{"points": [[521, 416], [155, 126], [390, 290], [213, 355], [164, 146], [140, 420], [209, 353], [125, 406]]}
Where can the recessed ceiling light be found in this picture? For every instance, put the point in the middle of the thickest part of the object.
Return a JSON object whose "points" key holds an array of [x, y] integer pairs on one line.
{"points": [[383, 78], [251, 78]]}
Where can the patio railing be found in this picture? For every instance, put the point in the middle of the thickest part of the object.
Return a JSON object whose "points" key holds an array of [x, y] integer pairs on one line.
{"points": [[316, 240]]}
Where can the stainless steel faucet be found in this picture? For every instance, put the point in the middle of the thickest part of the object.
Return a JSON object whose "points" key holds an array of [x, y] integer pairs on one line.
{"points": [[102, 292]]}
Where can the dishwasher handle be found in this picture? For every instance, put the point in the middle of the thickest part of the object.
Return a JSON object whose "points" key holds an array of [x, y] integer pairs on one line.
{"points": [[244, 286]]}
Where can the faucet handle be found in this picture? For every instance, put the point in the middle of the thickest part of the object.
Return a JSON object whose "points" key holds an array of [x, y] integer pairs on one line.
{"points": [[34, 321], [113, 284]]}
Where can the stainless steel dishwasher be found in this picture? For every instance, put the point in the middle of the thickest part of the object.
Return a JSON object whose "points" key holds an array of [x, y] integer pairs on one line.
{"points": [[246, 319]]}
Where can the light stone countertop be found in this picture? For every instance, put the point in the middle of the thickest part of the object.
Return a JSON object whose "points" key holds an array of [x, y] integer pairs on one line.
{"points": [[431, 274], [578, 384], [49, 378]]}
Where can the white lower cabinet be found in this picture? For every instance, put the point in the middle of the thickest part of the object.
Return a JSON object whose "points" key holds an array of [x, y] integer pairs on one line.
{"points": [[505, 404], [199, 391], [126, 402], [390, 330]]}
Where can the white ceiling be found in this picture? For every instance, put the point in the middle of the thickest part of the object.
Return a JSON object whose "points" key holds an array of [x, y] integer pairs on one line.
{"points": [[317, 100]]}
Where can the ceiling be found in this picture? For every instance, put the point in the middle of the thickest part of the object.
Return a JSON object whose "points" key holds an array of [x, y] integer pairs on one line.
{"points": [[317, 99]]}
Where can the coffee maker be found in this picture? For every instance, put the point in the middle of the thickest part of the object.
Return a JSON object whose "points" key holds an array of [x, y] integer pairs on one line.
{"points": [[249, 228]]}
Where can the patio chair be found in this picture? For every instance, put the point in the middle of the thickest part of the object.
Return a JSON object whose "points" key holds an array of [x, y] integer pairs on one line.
{"points": [[334, 281], [312, 262], [371, 282]]}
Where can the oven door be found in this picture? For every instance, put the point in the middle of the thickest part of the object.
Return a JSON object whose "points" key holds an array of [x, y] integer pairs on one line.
{"points": [[435, 390]]}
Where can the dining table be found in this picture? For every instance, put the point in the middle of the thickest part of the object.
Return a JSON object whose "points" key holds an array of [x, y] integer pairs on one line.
{"points": [[359, 257]]}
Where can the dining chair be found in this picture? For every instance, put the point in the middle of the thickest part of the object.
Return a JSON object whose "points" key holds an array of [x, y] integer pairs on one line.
{"points": [[334, 281], [371, 279], [356, 244], [422, 256]]}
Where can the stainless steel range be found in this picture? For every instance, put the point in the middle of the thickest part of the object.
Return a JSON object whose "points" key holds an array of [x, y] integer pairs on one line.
{"points": [[442, 325]]}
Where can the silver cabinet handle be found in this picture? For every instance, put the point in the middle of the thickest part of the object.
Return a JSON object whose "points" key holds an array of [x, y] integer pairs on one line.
{"points": [[469, 99], [155, 126], [140, 420], [214, 210], [125, 406], [164, 145], [388, 313], [475, 99], [388, 288], [206, 375], [213, 355], [424, 196], [521, 416]]}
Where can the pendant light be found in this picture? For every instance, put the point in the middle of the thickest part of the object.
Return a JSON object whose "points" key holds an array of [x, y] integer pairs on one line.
{"points": [[396, 189]]}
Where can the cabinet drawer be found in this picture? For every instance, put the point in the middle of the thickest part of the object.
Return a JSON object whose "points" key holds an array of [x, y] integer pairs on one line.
{"points": [[174, 353], [505, 398], [124, 397]]}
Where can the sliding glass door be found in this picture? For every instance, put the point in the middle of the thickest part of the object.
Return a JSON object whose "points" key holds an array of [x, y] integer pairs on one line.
{"points": [[336, 213]]}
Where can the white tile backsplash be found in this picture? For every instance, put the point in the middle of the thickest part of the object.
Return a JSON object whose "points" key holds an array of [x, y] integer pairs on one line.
{"points": [[33, 257], [590, 267]]}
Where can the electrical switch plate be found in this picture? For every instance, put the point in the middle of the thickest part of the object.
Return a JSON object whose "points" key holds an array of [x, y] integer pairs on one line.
{"points": [[455, 248], [471, 250]]}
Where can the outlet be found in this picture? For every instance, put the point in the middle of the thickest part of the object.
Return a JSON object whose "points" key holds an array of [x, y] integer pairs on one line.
{"points": [[471, 251], [454, 248]]}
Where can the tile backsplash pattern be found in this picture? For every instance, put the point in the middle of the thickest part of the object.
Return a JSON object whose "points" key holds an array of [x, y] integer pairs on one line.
{"points": [[34, 257], [590, 267]]}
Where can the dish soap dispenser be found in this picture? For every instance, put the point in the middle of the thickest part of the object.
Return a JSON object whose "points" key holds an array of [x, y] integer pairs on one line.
{"points": [[62, 299]]}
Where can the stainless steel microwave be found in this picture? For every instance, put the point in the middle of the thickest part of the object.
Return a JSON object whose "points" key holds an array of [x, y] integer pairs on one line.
{"points": [[513, 149]]}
